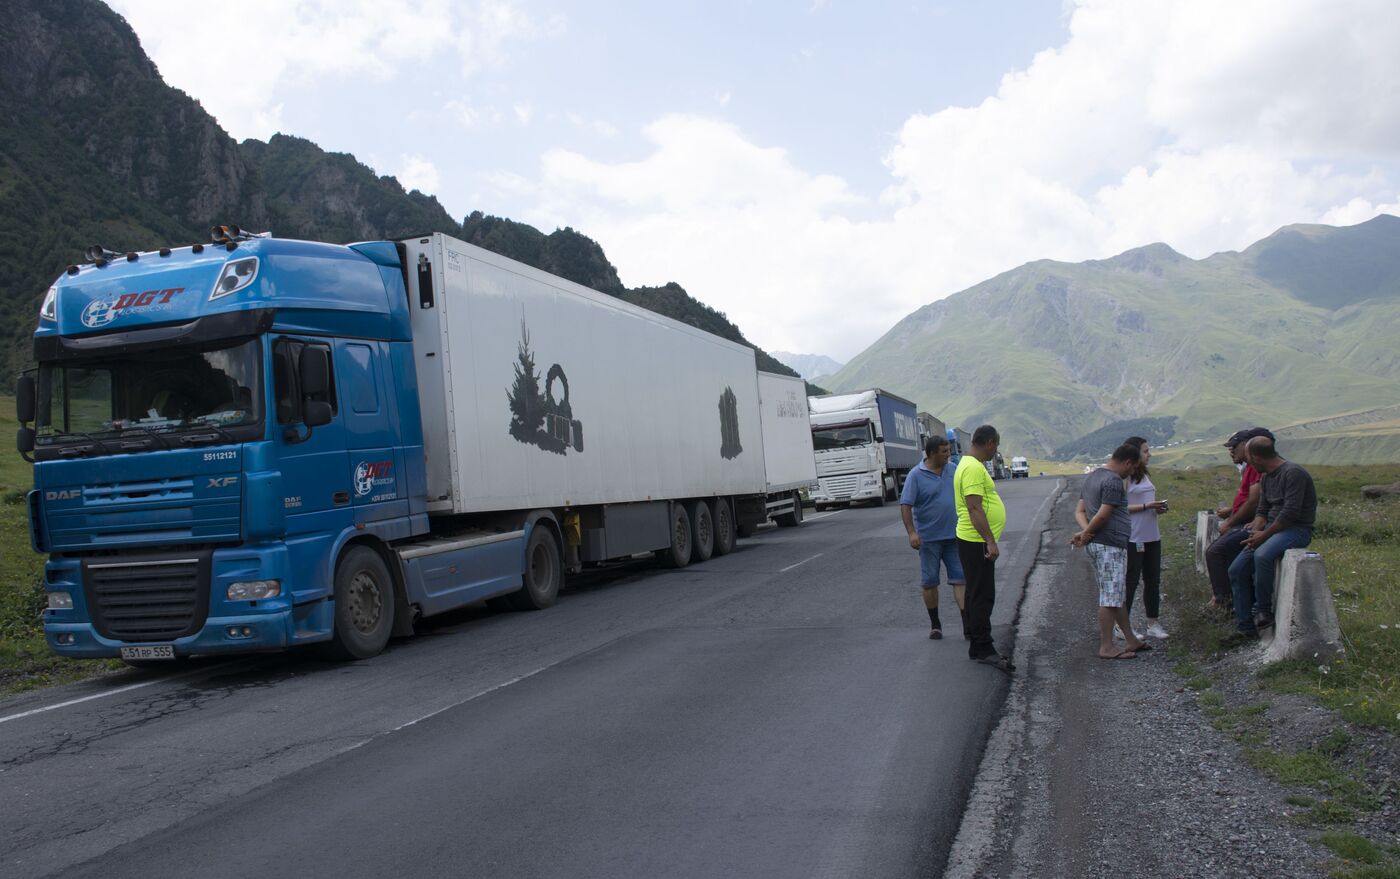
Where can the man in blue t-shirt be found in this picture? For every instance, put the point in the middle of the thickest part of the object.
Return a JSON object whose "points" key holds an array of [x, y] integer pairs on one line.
{"points": [[931, 519]]}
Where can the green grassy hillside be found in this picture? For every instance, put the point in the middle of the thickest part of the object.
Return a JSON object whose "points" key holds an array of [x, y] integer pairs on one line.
{"points": [[1051, 351]]}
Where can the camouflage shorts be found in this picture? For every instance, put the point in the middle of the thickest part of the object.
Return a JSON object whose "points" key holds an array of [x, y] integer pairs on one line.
{"points": [[1111, 572]]}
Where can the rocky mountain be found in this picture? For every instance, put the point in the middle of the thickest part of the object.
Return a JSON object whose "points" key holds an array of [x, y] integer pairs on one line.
{"points": [[1302, 325], [809, 366], [96, 148]]}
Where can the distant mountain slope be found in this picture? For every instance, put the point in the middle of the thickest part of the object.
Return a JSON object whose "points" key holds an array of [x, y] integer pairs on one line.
{"points": [[809, 366], [96, 148], [1052, 351]]}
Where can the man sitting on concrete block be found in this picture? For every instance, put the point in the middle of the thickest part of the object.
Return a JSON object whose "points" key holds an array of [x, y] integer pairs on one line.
{"points": [[1284, 521], [1234, 518]]}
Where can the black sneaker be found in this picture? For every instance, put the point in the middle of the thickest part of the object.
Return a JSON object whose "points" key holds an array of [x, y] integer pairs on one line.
{"points": [[1263, 620], [935, 634], [996, 660]]}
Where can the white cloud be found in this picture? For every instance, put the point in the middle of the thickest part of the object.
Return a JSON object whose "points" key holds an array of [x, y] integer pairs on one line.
{"points": [[262, 46], [416, 172], [1203, 124], [600, 127]]}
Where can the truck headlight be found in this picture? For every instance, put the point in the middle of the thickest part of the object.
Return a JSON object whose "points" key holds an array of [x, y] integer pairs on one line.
{"points": [[60, 601], [254, 590], [869, 479], [236, 275], [49, 310]]}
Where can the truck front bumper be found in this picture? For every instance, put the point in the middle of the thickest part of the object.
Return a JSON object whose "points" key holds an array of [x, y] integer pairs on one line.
{"points": [[247, 633], [224, 625]]}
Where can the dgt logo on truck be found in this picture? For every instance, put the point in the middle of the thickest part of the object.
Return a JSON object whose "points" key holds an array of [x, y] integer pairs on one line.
{"points": [[368, 474], [100, 312]]}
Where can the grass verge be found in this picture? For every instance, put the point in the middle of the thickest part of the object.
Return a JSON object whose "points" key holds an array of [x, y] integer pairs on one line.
{"points": [[1358, 542]]}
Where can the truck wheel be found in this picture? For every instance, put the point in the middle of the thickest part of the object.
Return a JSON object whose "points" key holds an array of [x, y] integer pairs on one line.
{"points": [[677, 555], [543, 573], [724, 527], [793, 519], [702, 532], [364, 605]]}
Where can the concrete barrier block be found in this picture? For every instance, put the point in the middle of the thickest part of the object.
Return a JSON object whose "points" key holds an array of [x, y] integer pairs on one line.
{"points": [[1305, 617], [1207, 529]]}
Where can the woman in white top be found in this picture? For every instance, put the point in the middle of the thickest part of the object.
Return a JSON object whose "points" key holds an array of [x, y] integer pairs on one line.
{"points": [[1145, 540]]}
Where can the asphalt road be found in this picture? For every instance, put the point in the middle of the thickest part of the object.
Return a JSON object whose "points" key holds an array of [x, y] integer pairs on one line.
{"points": [[776, 712]]}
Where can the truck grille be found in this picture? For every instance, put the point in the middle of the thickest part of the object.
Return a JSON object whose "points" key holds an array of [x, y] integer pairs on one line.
{"points": [[842, 486], [150, 598]]}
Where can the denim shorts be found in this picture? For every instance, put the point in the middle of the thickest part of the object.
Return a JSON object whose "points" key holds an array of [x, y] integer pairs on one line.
{"points": [[934, 551]]}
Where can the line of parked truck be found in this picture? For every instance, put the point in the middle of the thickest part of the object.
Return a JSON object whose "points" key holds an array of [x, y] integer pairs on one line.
{"points": [[262, 443]]}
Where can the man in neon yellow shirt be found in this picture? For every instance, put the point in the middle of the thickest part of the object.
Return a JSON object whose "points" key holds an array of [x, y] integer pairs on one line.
{"points": [[981, 518]]}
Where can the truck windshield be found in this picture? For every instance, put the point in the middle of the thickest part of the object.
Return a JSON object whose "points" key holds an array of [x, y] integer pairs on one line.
{"points": [[840, 437], [150, 392]]}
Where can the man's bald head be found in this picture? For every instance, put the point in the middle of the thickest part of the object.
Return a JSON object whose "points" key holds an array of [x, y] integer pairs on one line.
{"points": [[1262, 451]]}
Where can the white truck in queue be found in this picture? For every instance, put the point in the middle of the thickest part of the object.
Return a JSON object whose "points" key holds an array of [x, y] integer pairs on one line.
{"points": [[865, 444], [1020, 468], [789, 464]]}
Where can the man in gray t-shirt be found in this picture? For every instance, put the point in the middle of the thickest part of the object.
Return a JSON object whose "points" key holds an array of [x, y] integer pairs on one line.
{"points": [[1105, 527], [1285, 518]]}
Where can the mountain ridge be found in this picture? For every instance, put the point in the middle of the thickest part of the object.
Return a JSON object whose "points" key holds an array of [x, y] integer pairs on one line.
{"points": [[1152, 333]]}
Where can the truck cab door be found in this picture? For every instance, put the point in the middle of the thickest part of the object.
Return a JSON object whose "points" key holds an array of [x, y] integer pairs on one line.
{"points": [[375, 455], [315, 480]]}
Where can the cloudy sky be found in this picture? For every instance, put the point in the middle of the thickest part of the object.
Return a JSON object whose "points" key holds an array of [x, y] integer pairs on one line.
{"points": [[817, 169]]}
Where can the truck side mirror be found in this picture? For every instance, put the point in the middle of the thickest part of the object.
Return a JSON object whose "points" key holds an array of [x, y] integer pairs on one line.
{"points": [[24, 398], [316, 413], [315, 371], [24, 441]]}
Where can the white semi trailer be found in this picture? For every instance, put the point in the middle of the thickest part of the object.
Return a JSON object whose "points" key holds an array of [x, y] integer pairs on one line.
{"points": [[545, 401], [788, 462]]}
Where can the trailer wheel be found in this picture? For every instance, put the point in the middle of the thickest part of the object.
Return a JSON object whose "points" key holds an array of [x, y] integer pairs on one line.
{"points": [[724, 527], [793, 519], [543, 573], [702, 532], [364, 605], [677, 555]]}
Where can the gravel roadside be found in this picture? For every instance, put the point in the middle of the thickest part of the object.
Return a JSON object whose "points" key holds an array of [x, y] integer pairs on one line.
{"points": [[1099, 768]]}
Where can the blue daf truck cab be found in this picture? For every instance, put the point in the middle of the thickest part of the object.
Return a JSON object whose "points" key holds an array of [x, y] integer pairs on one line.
{"points": [[227, 442]]}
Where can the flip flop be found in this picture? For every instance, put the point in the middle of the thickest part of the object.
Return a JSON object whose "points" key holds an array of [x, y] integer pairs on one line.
{"points": [[1122, 654], [1143, 649]]}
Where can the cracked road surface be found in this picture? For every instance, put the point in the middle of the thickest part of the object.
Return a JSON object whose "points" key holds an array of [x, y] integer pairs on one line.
{"points": [[777, 712]]}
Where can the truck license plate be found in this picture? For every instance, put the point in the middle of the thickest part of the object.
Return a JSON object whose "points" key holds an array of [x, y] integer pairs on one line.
{"points": [[164, 651]]}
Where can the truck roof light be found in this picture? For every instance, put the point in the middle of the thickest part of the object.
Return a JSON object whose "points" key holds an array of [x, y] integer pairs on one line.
{"points": [[100, 263], [165, 251], [232, 246], [132, 256], [72, 270], [197, 248]]}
